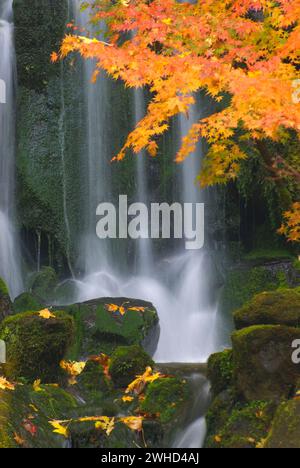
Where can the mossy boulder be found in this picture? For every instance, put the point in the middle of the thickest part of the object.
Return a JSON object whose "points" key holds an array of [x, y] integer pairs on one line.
{"points": [[27, 302], [285, 430], [92, 384], [25, 416], [127, 362], [35, 345], [85, 435], [262, 359], [244, 427], [100, 331], [43, 284], [5, 302], [220, 371], [166, 398], [280, 307]]}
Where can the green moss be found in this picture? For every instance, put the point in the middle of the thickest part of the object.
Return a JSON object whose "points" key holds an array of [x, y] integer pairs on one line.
{"points": [[267, 255], [263, 367], [220, 371], [43, 284], [244, 283], [35, 346], [280, 307], [165, 397], [285, 430], [5, 302], [27, 302], [47, 404], [244, 427], [93, 384], [99, 331], [127, 362]]}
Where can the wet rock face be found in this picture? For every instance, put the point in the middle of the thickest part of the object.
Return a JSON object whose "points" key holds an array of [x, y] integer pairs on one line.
{"points": [[262, 357], [280, 307]]}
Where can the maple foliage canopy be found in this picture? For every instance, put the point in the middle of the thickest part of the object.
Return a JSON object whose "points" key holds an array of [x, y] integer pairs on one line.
{"points": [[243, 53]]}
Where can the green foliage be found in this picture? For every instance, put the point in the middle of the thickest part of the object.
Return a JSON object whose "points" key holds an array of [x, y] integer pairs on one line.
{"points": [[27, 302], [127, 362], [166, 398]]}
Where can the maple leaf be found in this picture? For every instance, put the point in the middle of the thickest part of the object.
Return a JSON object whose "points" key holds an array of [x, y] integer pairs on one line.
{"points": [[19, 439], [30, 427], [60, 428], [138, 385], [135, 423], [46, 314], [54, 57], [106, 424], [37, 385], [105, 361], [74, 369], [5, 384], [127, 399]]}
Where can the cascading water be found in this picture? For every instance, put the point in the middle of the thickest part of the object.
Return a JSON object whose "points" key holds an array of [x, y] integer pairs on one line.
{"points": [[178, 286], [10, 268]]}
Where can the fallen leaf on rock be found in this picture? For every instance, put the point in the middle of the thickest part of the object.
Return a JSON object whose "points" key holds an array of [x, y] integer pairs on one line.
{"points": [[59, 428], [138, 385], [37, 386], [46, 314], [74, 369], [127, 399], [30, 427], [137, 309], [218, 439], [106, 424], [104, 361], [6, 385], [19, 439], [135, 423]]}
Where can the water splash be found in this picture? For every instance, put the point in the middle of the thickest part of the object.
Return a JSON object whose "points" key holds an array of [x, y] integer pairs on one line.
{"points": [[10, 264]]}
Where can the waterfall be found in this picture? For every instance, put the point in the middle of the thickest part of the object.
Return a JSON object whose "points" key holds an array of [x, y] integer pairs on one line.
{"points": [[10, 263], [144, 254], [178, 285]]}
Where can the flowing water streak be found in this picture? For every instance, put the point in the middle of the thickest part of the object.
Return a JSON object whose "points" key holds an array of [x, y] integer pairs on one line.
{"points": [[10, 257]]}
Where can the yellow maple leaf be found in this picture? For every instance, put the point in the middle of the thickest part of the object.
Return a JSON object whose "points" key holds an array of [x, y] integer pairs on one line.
{"points": [[137, 309], [73, 368], [46, 314], [6, 385], [59, 428], [106, 424], [37, 385], [138, 385], [127, 399], [135, 423]]}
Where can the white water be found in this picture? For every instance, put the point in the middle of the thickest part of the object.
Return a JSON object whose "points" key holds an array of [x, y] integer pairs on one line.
{"points": [[10, 268], [179, 285]]}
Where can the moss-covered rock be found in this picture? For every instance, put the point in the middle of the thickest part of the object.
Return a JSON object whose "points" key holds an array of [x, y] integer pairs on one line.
{"points": [[35, 346], [262, 359], [285, 430], [5, 302], [43, 284], [92, 384], [25, 416], [220, 371], [245, 281], [99, 331], [280, 307], [244, 427], [27, 302], [127, 362], [85, 435], [166, 398]]}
